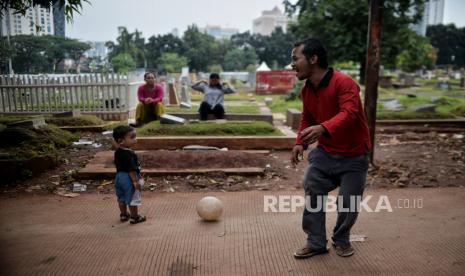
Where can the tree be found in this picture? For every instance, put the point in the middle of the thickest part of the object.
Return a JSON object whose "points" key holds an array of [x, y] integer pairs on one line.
{"points": [[42, 54], [419, 53], [171, 62], [273, 49], [449, 42], [238, 59], [201, 48], [342, 25], [21, 6], [123, 63], [132, 44], [157, 45]]}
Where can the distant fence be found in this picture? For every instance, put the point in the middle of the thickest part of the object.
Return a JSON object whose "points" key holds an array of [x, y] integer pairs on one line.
{"points": [[108, 96]]}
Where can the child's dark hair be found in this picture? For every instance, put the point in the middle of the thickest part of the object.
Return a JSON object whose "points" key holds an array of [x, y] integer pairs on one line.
{"points": [[120, 132]]}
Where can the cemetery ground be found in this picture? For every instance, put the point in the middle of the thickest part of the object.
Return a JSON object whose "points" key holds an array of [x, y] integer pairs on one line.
{"points": [[49, 229]]}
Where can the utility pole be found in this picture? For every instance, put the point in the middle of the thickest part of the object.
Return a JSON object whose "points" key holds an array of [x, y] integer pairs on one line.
{"points": [[372, 69], [8, 30]]}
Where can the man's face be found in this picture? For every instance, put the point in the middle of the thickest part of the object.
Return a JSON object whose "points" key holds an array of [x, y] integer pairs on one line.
{"points": [[150, 79], [300, 64]]}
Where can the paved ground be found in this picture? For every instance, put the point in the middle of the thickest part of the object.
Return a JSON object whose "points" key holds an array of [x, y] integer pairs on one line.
{"points": [[82, 236]]}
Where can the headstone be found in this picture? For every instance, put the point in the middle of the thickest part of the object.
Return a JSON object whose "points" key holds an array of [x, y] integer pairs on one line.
{"points": [[173, 97], [293, 118], [425, 108], [170, 119], [268, 101], [34, 122], [166, 96], [392, 105], [385, 81], [185, 105], [409, 80], [71, 113], [185, 95], [462, 82], [199, 147]]}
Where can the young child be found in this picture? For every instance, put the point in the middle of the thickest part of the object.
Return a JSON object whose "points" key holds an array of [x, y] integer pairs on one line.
{"points": [[128, 178]]}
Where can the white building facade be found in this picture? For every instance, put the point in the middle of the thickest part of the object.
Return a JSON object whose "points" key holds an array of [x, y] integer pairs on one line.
{"points": [[269, 21], [37, 21]]}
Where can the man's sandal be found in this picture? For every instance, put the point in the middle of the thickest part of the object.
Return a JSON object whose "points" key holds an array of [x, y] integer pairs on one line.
{"points": [[138, 219], [124, 217]]}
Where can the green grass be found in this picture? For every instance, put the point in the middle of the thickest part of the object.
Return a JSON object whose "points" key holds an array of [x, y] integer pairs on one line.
{"points": [[238, 96], [404, 115], [279, 104], [22, 144], [242, 109], [83, 120], [209, 128]]}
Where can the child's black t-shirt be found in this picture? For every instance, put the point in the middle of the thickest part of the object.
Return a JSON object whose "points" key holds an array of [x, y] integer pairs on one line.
{"points": [[126, 161]]}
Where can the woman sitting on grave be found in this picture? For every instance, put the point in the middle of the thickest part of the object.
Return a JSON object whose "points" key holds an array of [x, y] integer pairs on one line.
{"points": [[213, 99], [150, 97]]}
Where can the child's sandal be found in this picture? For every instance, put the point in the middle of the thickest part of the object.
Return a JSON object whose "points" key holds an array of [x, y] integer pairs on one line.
{"points": [[138, 219], [124, 217]]}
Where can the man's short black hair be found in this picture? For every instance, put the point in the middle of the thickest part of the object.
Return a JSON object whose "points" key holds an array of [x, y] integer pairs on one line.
{"points": [[314, 47], [214, 76], [120, 132]]}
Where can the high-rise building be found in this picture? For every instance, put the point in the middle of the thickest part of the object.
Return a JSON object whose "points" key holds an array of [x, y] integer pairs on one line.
{"points": [[37, 21], [97, 49], [433, 14], [219, 32], [436, 12], [269, 21], [59, 23]]}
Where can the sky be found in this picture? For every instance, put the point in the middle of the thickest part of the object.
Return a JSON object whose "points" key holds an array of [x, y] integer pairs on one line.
{"points": [[99, 19]]}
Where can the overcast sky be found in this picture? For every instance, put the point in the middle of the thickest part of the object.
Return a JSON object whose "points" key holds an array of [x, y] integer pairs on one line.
{"points": [[100, 19]]}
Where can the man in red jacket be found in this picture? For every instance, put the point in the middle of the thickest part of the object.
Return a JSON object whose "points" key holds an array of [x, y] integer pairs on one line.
{"points": [[333, 117]]}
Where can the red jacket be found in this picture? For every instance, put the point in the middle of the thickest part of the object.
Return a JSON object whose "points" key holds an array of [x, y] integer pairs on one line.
{"points": [[336, 105]]}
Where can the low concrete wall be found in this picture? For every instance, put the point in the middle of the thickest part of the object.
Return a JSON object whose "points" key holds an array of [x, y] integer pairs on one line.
{"points": [[230, 142], [228, 116]]}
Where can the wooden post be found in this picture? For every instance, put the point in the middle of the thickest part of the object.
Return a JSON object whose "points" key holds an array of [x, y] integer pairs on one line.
{"points": [[372, 69]]}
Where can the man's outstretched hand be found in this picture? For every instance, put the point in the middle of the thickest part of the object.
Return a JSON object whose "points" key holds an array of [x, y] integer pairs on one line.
{"points": [[297, 154], [311, 134]]}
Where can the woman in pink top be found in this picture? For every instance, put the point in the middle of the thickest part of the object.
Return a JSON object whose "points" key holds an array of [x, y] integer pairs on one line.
{"points": [[150, 96]]}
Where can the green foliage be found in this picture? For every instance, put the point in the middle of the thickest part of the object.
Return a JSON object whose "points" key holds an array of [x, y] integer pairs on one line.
{"points": [[123, 63], [171, 62], [238, 59], [202, 49], [342, 25], [21, 6], [215, 68], [132, 44], [41, 54], [157, 45], [209, 128], [418, 53], [274, 49], [449, 42]]}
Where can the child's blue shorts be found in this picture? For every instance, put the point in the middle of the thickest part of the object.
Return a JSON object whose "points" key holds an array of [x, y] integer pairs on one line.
{"points": [[124, 187]]}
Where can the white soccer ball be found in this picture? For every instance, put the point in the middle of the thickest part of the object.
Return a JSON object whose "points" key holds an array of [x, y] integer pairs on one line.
{"points": [[209, 208]]}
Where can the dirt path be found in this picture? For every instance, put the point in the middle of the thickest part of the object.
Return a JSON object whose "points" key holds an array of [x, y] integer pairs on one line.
{"points": [[51, 235]]}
